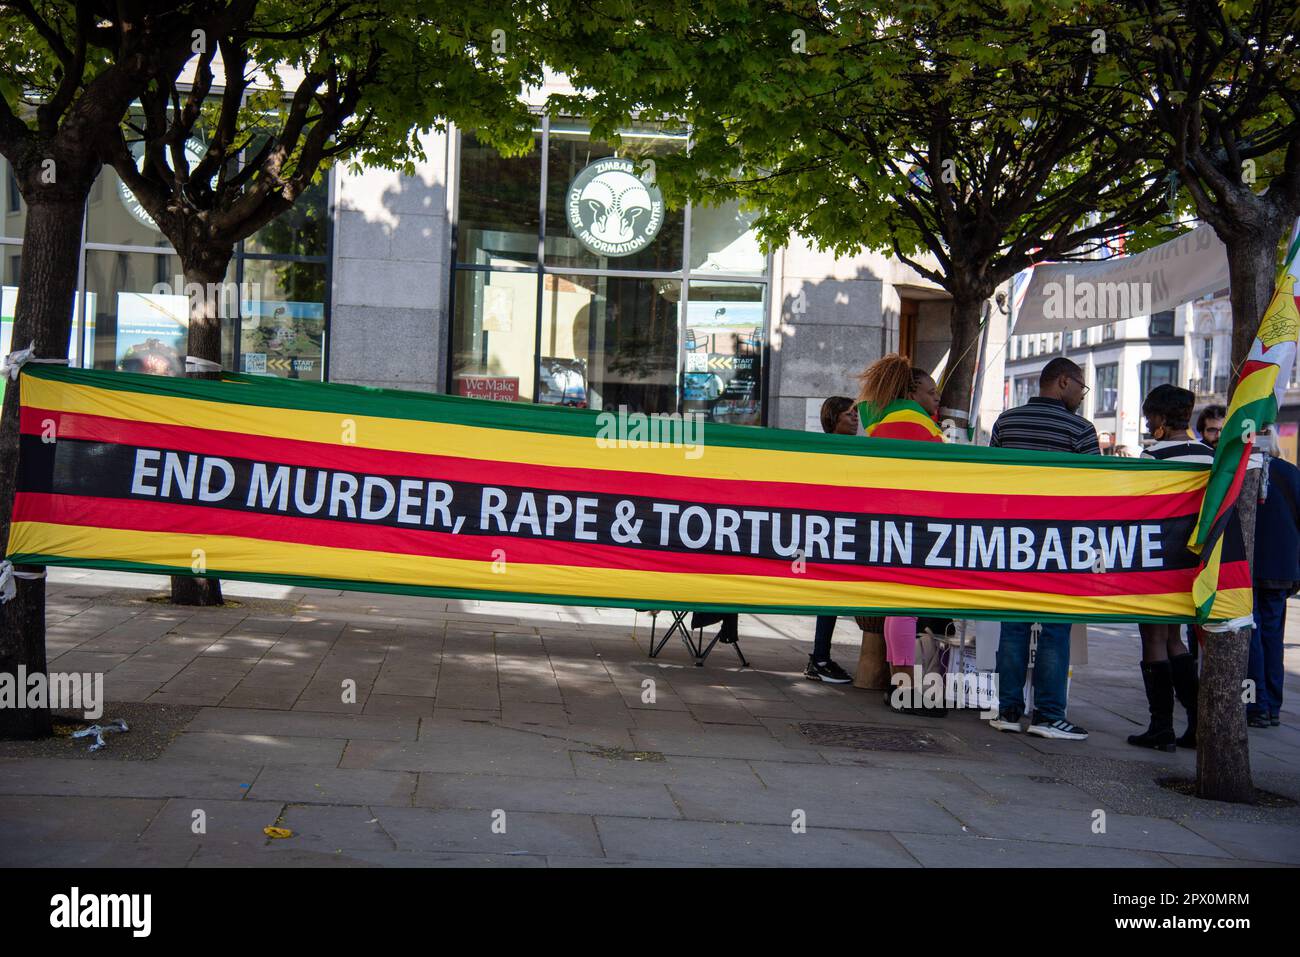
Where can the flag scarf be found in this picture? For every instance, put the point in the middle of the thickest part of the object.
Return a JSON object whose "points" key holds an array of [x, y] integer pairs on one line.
{"points": [[377, 490], [1255, 401], [901, 419]]}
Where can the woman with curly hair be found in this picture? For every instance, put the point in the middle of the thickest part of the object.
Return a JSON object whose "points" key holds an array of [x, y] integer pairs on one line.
{"points": [[899, 401]]}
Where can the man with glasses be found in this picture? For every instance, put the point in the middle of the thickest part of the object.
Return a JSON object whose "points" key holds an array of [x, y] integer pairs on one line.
{"points": [[1048, 423], [1209, 424]]}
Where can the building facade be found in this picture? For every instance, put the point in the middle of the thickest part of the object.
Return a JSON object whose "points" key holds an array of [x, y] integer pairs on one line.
{"points": [[1190, 346], [559, 277]]}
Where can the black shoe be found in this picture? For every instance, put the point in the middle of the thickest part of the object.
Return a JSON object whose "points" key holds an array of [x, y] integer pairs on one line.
{"points": [[1274, 719], [1160, 739], [1158, 677], [916, 709], [827, 671], [1258, 721]]}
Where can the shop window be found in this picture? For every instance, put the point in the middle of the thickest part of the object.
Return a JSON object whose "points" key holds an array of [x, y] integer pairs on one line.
{"points": [[135, 329], [1156, 373], [610, 216], [494, 335], [1026, 386], [282, 319], [1162, 323], [722, 366], [609, 341], [300, 230], [1106, 389], [498, 218], [723, 240]]}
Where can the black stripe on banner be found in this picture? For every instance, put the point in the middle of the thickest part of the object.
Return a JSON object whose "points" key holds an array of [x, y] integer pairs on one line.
{"points": [[105, 470]]}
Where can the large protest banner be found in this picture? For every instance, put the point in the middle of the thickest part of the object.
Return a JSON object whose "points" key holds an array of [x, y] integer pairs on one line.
{"points": [[354, 488]]}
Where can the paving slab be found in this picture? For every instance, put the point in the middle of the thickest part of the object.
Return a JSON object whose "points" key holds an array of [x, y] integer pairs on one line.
{"points": [[49, 818], [962, 851], [425, 829], [571, 795], [312, 785], [1277, 844], [147, 779], [106, 854], [1053, 825], [242, 749], [754, 845]]}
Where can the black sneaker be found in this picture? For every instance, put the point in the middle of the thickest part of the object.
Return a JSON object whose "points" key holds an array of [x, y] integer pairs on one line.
{"points": [[1057, 729], [1275, 719], [827, 671], [1257, 720]]}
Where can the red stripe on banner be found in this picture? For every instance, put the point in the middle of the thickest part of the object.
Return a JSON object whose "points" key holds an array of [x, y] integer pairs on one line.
{"points": [[135, 515], [745, 492]]}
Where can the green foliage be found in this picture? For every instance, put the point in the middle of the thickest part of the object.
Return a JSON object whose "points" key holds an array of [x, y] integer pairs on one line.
{"points": [[989, 135]]}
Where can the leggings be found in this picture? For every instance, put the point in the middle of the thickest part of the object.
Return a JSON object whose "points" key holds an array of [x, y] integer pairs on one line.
{"points": [[900, 641]]}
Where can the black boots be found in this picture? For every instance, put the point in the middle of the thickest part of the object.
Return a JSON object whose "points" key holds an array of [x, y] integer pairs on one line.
{"points": [[1158, 676], [1186, 686]]}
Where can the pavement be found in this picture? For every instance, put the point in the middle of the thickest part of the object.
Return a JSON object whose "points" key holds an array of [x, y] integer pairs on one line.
{"points": [[499, 734]]}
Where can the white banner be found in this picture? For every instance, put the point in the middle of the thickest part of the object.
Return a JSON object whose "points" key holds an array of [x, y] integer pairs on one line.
{"points": [[1063, 296]]}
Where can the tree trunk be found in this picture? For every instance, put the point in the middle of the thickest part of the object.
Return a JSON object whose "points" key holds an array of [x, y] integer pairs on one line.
{"points": [[1223, 748], [963, 354], [205, 276], [47, 284]]}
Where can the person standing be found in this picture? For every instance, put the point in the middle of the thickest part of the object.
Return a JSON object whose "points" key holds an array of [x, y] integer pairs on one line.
{"points": [[1046, 423], [1277, 576], [839, 417], [898, 401], [1209, 424], [1168, 668]]}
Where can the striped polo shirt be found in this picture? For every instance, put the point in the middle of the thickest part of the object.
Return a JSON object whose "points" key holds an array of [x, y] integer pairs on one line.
{"points": [[1044, 425], [1180, 450]]}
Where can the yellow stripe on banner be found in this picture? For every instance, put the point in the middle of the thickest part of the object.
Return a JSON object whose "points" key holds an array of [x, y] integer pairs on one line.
{"points": [[1207, 579], [533, 448], [1230, 603], [233, 554]]}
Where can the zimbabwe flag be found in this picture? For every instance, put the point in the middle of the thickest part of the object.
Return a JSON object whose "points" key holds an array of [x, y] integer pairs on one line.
{"points": [[376, 490]]}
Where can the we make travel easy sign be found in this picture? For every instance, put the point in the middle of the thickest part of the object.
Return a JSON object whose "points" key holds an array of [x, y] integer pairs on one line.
{"points": [[367, 489]]}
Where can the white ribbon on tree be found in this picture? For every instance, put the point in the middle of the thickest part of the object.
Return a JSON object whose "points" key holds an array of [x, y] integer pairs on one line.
{"points": [[12, 364], [195, 364], [9, 587]]}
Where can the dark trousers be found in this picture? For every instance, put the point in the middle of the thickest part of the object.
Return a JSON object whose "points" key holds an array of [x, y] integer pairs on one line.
{"points": [[822, 638], [1265, 667]]}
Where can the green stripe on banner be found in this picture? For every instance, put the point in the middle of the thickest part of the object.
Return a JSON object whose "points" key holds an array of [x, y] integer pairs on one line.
{"points": [[270, 392]]}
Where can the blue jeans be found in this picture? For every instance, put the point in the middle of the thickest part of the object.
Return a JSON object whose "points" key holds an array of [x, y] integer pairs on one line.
{"points": [[1265, 667], [1051, 669], [822, 638]]}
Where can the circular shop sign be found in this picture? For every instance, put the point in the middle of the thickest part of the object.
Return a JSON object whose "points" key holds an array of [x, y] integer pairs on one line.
{"points": [[194, 151], [611, 210]]}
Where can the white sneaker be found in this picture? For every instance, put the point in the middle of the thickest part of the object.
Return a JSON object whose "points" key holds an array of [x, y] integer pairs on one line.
{"points": [[1004, 722], [1058, 729]]}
